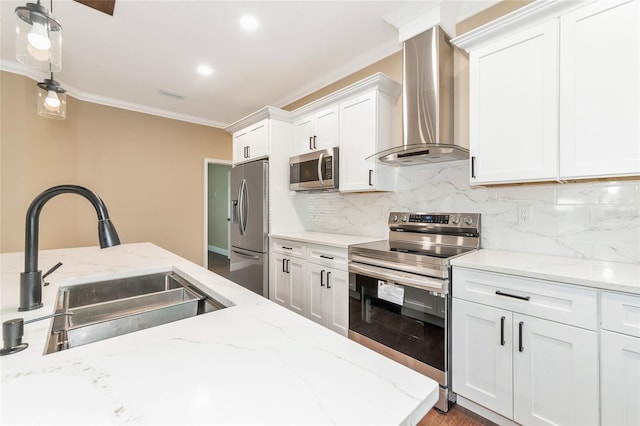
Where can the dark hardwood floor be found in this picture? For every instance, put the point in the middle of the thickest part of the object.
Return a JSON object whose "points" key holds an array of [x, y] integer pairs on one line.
{"points": [[457, 415], [219, 264]]}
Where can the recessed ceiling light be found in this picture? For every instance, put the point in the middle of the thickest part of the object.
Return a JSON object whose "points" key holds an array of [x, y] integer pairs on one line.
{"points": [[249, 23], [204, 70]]}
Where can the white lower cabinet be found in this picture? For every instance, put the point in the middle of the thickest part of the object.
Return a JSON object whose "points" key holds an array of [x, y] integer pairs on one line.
{"points": [[287, 287], [620, 359], [526, 368], [311, 280], [287, 273], [328, 297]]}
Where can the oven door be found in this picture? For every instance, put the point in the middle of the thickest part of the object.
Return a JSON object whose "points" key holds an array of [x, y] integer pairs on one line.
{"points": [[410, 320]]}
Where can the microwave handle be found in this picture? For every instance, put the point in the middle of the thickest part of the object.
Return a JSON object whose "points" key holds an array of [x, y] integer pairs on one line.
{"points": [[320, 168]]}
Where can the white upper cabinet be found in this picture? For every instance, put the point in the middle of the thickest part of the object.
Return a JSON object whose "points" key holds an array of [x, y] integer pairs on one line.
{"points": [[514, 114], [316, 131], [364, 122], [266, 132], [600, 87], [251, 143], [555, 92], [360, 120]]}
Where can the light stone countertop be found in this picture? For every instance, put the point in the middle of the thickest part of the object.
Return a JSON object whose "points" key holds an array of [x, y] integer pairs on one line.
{"points": [[623, 277], [324, 238], [252, 363]]}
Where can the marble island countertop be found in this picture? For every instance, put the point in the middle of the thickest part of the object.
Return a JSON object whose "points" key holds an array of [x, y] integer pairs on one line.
{"points": [[251, 363], [623, 277]]}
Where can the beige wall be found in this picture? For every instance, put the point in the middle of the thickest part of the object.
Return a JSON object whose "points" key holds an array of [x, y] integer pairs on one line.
{"points": [[148, 170]]}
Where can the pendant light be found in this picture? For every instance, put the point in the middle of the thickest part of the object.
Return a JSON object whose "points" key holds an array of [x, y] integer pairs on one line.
{"points": [[38, 38], [52, 99]]}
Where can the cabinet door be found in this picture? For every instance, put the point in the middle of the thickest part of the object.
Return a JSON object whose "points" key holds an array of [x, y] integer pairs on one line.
{"points": [[258, 140], [620, 379], [296, 271], [514, 107], [303, 135], [316, 298], [326, 129], [337, 290], [481, 355], [600, 81], [279, 282], [555, 373], [240, 139], [357, 142]]}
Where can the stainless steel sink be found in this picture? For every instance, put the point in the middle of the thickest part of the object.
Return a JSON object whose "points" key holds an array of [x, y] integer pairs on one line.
{"points": [[106, 309]]}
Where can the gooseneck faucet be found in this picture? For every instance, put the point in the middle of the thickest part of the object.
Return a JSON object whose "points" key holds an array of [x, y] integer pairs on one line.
{"points": [[31, 278]]}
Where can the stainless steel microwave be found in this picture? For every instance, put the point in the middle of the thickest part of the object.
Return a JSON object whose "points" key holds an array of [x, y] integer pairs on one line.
{"points": [[316, 171]]}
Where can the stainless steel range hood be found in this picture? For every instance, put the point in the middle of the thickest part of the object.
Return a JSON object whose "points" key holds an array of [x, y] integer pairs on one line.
{"points": [[427, 103]]}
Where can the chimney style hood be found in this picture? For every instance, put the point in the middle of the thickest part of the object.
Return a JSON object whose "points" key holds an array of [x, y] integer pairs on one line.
{"points": [[427, 112]]}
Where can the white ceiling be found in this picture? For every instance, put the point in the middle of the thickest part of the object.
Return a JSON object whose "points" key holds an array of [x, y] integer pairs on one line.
{"points": [[300, 46]]}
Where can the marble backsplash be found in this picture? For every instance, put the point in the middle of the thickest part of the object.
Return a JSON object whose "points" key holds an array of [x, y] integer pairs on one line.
{"points": [[592, 220]]}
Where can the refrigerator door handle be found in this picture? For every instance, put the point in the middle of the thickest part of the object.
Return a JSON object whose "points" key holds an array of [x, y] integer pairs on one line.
{"points": [[234, 211], [239, 207], [245, 207], [249, 256]]}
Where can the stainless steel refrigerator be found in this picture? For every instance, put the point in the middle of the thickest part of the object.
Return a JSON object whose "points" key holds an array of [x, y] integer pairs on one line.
{"points": [[250, 226]]}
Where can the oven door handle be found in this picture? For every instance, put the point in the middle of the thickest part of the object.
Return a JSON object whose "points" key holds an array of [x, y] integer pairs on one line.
{"points": [[421, 282]]}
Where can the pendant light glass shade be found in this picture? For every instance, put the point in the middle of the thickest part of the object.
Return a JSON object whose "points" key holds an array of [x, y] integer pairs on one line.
{"points": [[52, 99], [38, 38]]}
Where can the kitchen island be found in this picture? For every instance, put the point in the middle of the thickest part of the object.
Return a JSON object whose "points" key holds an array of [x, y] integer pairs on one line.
{"points": [[251, 363]]}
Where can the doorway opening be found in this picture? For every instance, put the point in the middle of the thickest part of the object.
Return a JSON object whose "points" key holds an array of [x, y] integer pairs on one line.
{"points": [[217, 215]]}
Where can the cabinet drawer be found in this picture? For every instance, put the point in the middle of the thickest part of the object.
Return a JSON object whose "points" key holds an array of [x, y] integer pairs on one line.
{"points": [[621, 313], [332, 257], [289, 247], [544, 299]]}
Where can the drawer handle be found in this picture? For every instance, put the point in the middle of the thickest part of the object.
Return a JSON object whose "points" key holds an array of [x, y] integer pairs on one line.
{"points": [[520, 347], [326, 257], [515, 296], [287, 248], [502, 331]]}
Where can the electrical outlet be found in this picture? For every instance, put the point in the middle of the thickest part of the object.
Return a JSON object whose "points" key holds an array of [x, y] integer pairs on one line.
{"points": [[524, 214]]}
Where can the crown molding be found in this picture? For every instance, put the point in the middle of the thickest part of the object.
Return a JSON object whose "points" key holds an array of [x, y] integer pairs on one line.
{"points": [[18, 68], [261, 114]]}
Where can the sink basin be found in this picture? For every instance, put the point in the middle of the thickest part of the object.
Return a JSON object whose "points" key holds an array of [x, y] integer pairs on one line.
{"points": [[106, 309]]}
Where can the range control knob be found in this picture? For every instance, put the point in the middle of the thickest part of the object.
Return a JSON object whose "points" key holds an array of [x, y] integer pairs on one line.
{"points": [[405, 218], [468, 220], [456, 220], [394, 218]]}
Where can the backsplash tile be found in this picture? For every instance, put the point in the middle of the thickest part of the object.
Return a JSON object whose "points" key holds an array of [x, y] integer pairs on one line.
{"points": [[592, 220]]}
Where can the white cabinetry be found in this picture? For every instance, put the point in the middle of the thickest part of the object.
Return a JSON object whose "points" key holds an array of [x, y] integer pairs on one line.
{"points": [[526, 349], [364, 121], [251, 143], [514, 107], [267, 132], [360, 120], [555, 92], [312, 280], [328, 287], [316, 131], [287, 274], [620, 359], [600, 88]]}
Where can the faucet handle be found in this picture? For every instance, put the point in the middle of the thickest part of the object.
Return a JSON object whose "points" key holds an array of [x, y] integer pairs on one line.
{"points": [[46, 274]]}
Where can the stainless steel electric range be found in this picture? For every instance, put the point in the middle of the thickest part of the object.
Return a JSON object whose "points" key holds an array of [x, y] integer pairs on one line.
{"points": [[399, 301]]}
